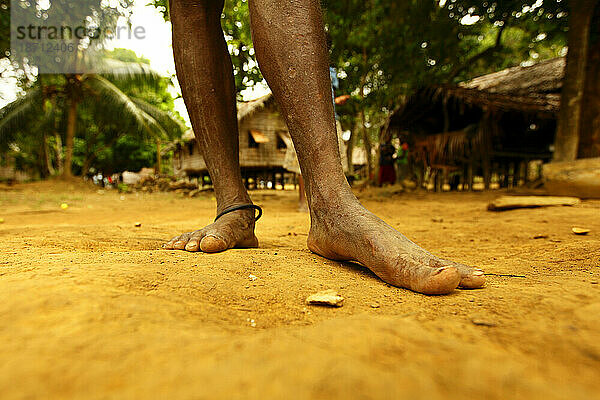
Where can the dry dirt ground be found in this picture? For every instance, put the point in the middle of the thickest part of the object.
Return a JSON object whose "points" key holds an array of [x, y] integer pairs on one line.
{"points": [[90, 308]]}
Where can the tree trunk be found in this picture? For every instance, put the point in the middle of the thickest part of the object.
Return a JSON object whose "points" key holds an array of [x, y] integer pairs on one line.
{"points": [[59, 153], [589, 140], [48, 168], [71, 127], [92, 155], [485, 133], [158, 167], [87, 164], [569, 119]]}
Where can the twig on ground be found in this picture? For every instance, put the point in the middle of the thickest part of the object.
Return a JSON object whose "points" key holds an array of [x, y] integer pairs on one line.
{"points": [[507, 275]]}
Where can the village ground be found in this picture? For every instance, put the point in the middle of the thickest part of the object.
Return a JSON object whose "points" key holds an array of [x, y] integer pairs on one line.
{"points": [[90, 308]]}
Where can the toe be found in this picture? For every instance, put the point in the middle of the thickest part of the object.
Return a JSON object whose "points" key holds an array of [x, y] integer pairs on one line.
{"points": [[180, 244], [181, 241], [473, 280], [213, 244], [470, 277], [442, 281], [193, 243], [169, 244]]}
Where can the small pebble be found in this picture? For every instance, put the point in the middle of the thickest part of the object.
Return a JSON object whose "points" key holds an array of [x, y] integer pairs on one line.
{"points": [[138, 224], [580, 231], [64, 206], [374, 305], [252, 277], [328, 297]]}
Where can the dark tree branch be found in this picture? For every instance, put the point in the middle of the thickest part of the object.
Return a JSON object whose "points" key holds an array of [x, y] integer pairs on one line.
{"points": [[485, 53]]}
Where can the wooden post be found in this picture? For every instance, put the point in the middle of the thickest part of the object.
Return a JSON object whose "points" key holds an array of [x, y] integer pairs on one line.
{"points": [[470, 175], [589, 137], [444, 179], [522, 179], [486, 148], [439, 181], [71, 128], [569, 117], [158, 166]]}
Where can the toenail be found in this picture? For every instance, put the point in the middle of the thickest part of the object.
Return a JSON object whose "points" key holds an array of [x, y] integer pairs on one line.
{"points": [[478, 272], [214, 237]]}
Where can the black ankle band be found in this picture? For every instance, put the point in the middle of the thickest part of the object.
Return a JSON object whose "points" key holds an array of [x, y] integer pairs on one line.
{"points": [[242, 207]]}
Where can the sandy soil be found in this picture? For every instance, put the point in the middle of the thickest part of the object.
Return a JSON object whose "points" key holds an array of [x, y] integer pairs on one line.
{"points": [[90, 308]]}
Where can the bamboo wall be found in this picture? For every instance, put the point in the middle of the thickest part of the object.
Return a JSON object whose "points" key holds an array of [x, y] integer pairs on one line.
{"points": [[265, 156]]}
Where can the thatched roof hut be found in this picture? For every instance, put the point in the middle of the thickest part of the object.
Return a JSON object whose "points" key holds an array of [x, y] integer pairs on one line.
{"points": [[504, 117], [265, 145], [263, 141]]}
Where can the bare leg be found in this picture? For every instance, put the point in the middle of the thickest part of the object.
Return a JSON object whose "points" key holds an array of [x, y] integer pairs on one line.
{"points": [[290, 46], [205, 73]]}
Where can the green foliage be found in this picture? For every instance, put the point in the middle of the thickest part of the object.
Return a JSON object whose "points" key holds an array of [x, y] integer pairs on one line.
{"points": [[529, 31], [4, 28], [115, 145], [127, 107], [123, 153], [100, 14], [235, 22], [126, 111], [15, 118], [126, 55], [384, 49]]}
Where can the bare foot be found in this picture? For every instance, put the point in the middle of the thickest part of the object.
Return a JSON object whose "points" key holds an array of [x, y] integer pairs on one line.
{"points": [[351, 233], [235, 229]]}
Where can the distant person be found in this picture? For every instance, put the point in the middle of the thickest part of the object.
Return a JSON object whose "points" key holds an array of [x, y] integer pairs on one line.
{"points": [[402, 161], [289, 41], [387, 173]]}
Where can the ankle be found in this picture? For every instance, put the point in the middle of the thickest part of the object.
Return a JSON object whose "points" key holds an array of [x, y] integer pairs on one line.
{"points": [[225, 202], [331, 199]]}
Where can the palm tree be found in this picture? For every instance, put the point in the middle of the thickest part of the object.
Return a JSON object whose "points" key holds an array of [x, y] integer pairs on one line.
{"points": [[110, 105]]}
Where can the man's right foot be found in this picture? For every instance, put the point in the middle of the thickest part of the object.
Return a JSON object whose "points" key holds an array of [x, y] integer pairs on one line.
{"points": [[234, 229], [351, 233]]}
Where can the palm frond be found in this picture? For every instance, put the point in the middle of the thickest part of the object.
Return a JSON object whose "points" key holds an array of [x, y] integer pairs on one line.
{"points": [[116, 107], [129, 73], [173, 127], [16, 116]]}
